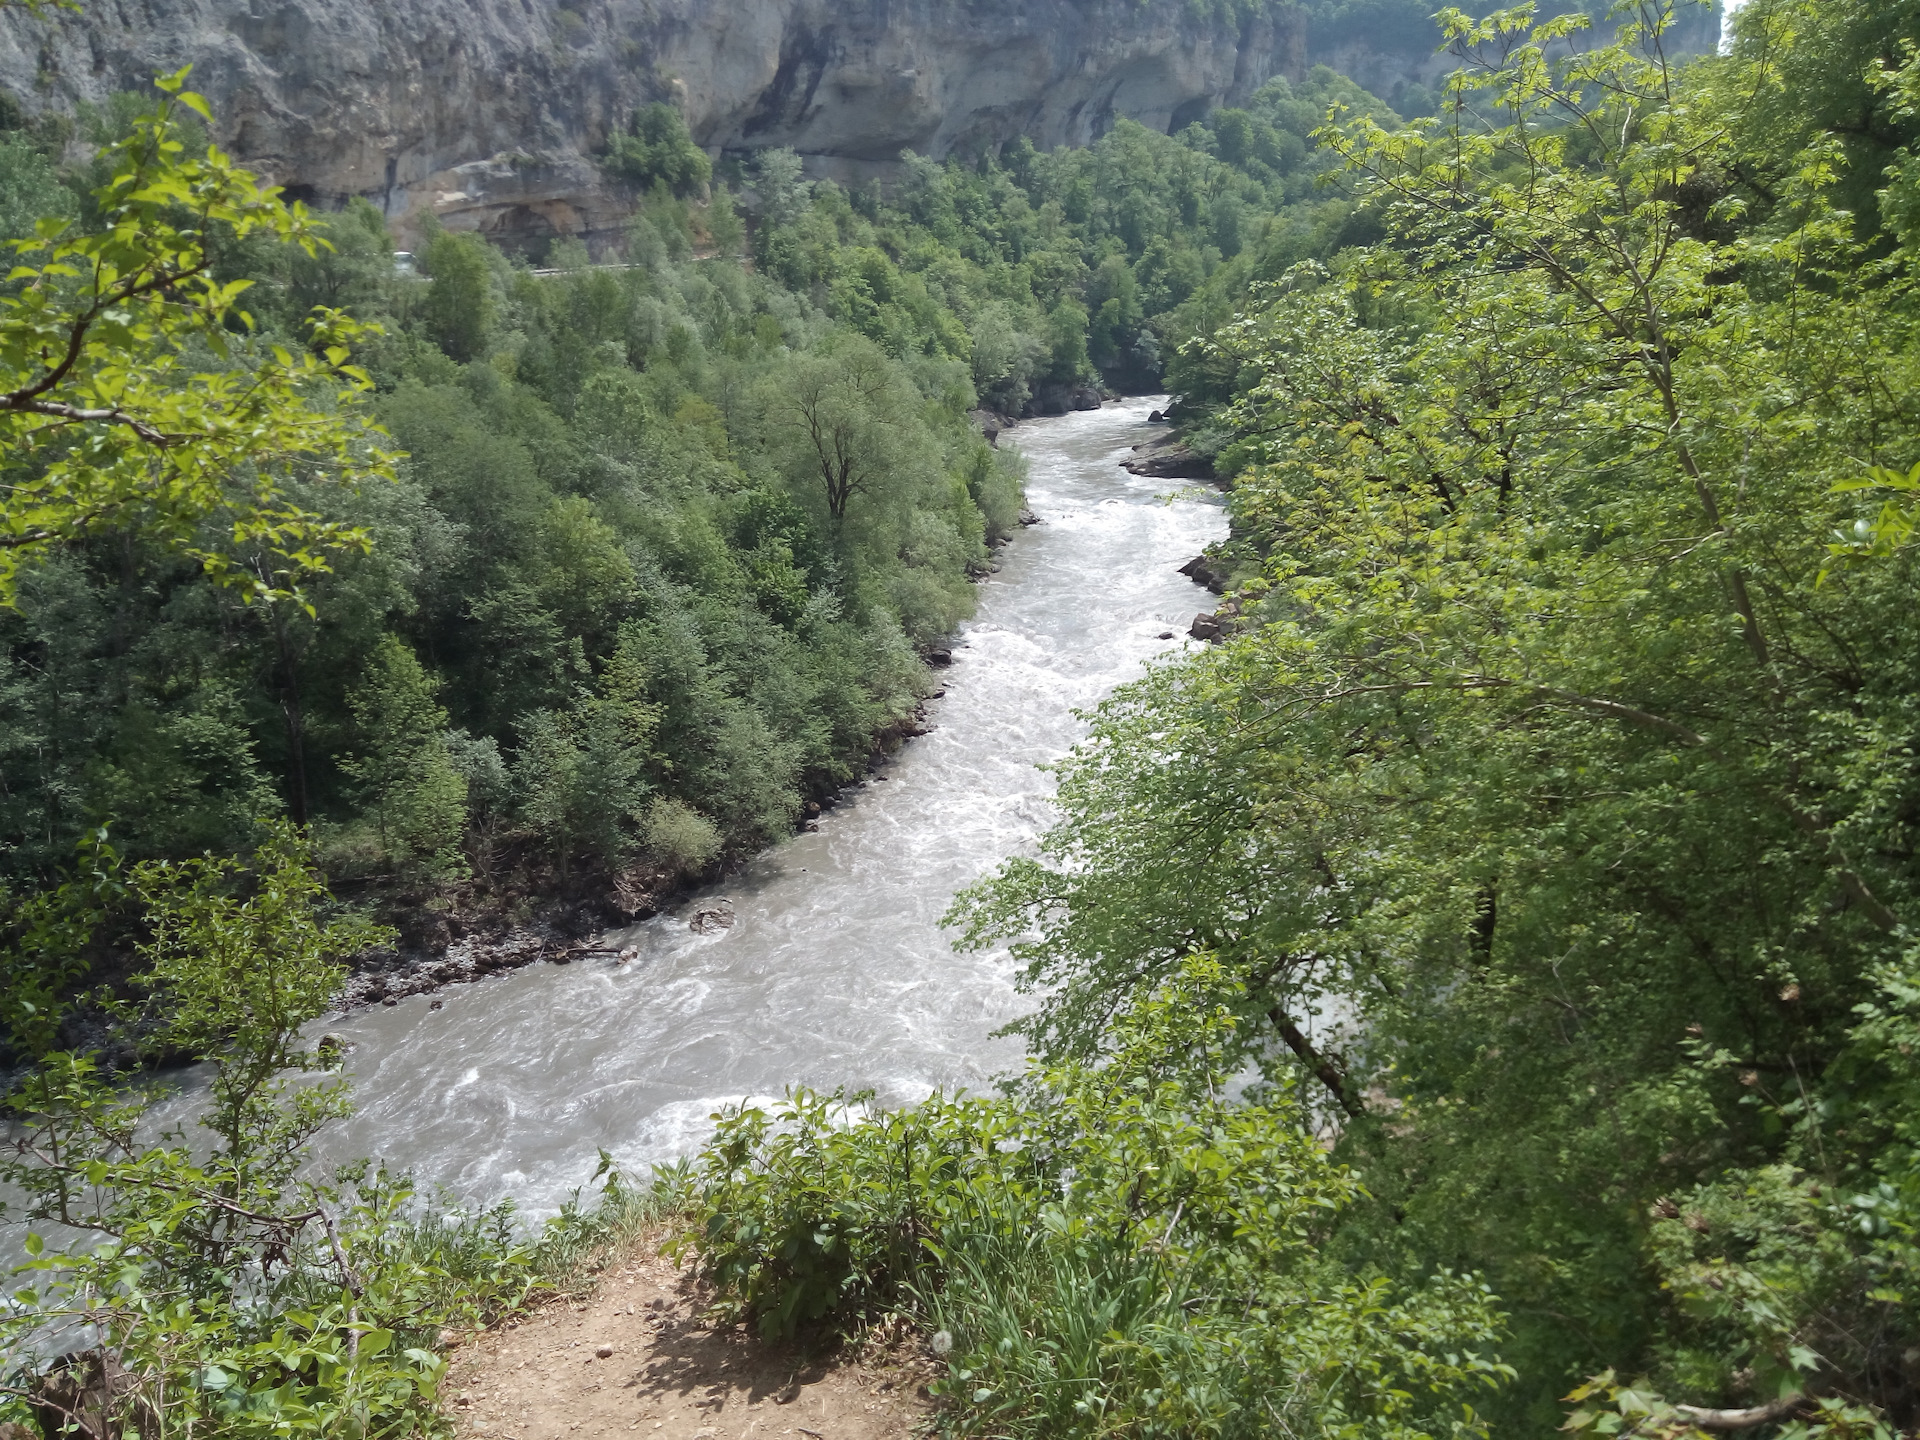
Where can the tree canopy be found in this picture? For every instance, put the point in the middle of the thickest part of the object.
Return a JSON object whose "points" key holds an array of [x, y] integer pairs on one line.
{"points": [[1550, 808], [114, 417]]}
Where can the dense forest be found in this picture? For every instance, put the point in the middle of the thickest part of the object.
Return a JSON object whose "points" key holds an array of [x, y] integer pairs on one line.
{"points": [[1474, 997], [1478, 996], [664, 549]]}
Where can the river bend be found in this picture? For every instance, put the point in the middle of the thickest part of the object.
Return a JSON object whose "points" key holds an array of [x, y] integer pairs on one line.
{"points": [[836, 970]]}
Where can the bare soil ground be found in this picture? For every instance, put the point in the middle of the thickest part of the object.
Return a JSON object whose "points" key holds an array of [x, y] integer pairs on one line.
{"points": [[636, 1358]]}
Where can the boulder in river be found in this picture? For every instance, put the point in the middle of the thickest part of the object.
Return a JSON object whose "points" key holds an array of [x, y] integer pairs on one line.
{"points": [[1059, 399], [1167, 457], [1205, 627], [1204, 570], [711, 916]]}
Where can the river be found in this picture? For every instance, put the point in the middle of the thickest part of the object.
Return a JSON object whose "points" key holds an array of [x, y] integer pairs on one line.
{"points": [[836, 971]]}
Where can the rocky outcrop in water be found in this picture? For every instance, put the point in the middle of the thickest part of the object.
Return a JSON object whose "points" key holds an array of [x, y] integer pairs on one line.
{"points": [[1168, 457], [488, 112]]}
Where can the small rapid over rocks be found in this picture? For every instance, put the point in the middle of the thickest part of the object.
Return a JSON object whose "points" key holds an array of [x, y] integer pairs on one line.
{"points": [[835, 970]]}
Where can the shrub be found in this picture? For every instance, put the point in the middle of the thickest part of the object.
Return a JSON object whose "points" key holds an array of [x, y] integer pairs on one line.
{"points": [[657, 149], [1109, 1250], [680, 837], [220, 1289]]}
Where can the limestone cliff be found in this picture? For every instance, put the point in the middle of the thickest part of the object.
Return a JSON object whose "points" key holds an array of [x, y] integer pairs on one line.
{"points": [[488, 112]]}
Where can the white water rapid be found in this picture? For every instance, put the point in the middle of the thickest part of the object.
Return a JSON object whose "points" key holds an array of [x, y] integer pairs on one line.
{"points": [[836, 971]]}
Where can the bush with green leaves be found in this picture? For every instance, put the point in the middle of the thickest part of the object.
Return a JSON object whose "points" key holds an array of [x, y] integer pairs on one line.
{"points": [[657, 150], [1559, 748], [205, 1282], [1801, 1273], [1123, 1248], [679, 837]]}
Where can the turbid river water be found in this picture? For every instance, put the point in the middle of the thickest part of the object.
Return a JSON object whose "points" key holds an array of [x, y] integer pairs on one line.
{"points": [[836, 971]]}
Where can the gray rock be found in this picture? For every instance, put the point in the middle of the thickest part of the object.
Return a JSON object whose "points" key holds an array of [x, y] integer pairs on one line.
{"points": [[1166, 457], [487, 113], [1205, 627], [711, 916], [1203, 570]]}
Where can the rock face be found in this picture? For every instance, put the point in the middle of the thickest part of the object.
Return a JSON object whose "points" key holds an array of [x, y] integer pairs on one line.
{"points": [[487, 112]]}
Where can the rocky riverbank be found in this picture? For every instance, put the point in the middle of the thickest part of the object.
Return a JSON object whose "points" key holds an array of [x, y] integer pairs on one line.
{"points": [[458, 936]]}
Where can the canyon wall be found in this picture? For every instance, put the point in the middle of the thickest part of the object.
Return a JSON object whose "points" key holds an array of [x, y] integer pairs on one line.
{"points": [[487, 113]]}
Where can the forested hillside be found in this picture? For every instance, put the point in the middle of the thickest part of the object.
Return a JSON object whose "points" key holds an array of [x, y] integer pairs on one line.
{"points": [[1476, 997], [336, 583], [667, 539], [1540, 838]]}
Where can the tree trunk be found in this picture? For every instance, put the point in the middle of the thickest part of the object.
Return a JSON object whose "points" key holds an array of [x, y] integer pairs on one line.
{"points": [[1326, 1068]]}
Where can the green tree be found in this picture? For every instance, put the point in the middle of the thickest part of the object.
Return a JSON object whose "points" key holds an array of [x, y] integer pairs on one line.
{"points": [[408, 779], [1113, 334], [176, 1231], [1067, 362], [113, 420], [583, 774], [840, 416], [1548, 783], [724, 226], [459, 306], [777, 176], [657, 150]]}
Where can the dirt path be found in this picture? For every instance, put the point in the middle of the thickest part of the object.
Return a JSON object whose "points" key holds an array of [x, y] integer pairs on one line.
{"points": [[634, 1359]]}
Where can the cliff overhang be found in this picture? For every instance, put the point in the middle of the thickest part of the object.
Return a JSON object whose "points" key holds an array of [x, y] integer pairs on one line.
{"points": [[488, 113]]}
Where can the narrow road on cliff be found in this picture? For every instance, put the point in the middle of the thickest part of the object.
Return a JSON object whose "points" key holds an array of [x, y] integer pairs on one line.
{"points": [[835, 970]]}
